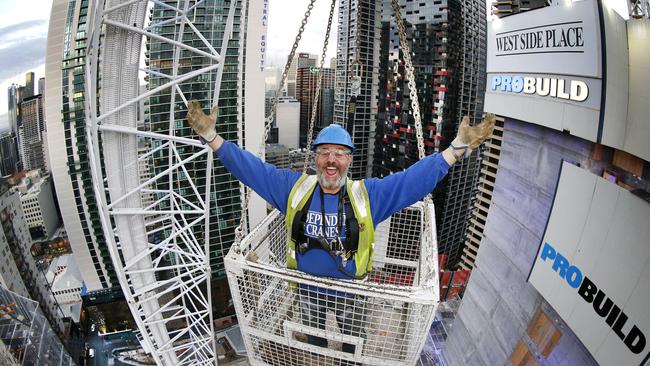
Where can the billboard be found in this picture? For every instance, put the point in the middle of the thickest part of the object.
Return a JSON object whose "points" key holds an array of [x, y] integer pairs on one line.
{"points": [[593, 266], [546, 67], [560, 40]]}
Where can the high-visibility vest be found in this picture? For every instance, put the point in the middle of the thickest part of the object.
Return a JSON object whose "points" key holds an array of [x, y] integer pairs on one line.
{"points": [[300, 193]]}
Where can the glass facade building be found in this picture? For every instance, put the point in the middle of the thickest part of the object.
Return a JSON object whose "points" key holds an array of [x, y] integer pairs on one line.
{"points": [[361, 124], [68, 145], [209, 18], [31, 133], [26, 335], [306, 83]]}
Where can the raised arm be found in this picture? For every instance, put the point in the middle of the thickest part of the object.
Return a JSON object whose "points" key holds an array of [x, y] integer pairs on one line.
{"points": [[271, 183], [399, 190]]}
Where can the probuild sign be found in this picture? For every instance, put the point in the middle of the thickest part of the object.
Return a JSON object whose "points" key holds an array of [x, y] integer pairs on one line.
{"points": [[593, 266], [544, 67], [575, 90]]}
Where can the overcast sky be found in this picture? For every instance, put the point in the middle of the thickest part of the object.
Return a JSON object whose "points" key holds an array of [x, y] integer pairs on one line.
{"points": [[23, 34]]}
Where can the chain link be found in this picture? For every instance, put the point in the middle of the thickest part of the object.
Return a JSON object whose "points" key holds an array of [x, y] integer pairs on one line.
{"points": [[318, 86], [408, 65], [240, 230], [356, 67], [415, 105]]}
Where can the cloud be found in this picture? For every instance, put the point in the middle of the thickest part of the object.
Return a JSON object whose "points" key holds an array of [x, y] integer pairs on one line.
{"points": [[284, 21], [4, 122], [22, 47], [22, 56], [18, 31]]}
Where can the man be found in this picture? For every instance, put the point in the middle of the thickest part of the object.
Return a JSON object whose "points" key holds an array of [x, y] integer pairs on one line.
{"points": [[330, 219]]}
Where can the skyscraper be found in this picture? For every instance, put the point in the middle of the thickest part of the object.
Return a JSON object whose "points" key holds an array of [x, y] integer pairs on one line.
{"points": [[66, 126], [39, 209], [31, 133], [359, 121], [8, 155], [16, 243], [470, 91], [306, 82], [29, 85], [300, 60], [447, 42], [12, 108], [41, 86], [288, 122]]}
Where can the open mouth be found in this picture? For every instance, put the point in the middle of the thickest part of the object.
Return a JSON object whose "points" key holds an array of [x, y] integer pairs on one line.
{"points": [[331, 171]]}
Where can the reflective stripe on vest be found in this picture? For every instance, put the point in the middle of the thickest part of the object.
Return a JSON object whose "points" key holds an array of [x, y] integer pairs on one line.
{"points": [[300, 193]]}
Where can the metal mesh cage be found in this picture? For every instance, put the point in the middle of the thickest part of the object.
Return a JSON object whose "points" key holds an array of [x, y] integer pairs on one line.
{"points": [[288, 317]]}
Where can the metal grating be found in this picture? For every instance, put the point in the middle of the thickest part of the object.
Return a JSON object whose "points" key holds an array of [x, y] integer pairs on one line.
{"points": [[290, 318]]}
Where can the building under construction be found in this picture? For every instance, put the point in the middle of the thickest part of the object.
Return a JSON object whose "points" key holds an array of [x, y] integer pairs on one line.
{"points": [[447, 40]]}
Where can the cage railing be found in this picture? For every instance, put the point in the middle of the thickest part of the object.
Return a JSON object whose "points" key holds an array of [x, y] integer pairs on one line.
{"points": [[289, 317]]}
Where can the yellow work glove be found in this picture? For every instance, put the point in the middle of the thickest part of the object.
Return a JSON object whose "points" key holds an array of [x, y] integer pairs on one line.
{"points": [[201, 123], [471, 137]]}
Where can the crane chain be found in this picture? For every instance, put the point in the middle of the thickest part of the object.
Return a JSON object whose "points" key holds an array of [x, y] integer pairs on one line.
{"points": [[408, 65], [243, 224], [356, 68], [319, 84], [415, 105]]}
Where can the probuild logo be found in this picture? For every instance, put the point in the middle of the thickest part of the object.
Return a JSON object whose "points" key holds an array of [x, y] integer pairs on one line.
{"points": [[605, 307], [575, 90]]}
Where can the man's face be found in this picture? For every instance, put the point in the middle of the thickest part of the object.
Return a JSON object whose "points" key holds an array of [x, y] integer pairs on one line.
{"points": [[332, 163]]}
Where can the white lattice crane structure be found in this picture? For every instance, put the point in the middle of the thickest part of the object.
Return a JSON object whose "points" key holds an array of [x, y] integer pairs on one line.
{"points": [[150, 225]]}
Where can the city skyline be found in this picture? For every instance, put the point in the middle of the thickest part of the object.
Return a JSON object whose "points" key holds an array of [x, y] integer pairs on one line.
{"points": [[559, 182], [19, 18], [25, 32]]}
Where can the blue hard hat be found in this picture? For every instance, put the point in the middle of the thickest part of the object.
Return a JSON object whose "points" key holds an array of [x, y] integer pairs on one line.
{"points": [[334, 134]]}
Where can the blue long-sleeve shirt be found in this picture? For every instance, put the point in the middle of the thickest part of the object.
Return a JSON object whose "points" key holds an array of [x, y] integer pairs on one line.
{"points": [[386, 195]]}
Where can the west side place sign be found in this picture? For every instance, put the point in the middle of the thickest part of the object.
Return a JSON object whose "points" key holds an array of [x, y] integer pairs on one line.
{"points": [[555, 40], [544, 67], [565, 37]]}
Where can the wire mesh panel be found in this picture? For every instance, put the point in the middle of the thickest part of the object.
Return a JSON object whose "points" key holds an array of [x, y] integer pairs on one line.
{"points": [[288, 317]]}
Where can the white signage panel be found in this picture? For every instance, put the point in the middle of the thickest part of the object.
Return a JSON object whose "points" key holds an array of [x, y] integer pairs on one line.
{"points": [[545, 67], [563, 40], [593, 266]]}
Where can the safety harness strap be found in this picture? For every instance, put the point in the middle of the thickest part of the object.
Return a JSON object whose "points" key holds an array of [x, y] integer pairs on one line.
{"points": [[351, 242]]}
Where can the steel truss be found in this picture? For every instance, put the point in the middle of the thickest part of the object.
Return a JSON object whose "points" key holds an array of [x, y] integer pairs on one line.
{"points": [[149, 223]]}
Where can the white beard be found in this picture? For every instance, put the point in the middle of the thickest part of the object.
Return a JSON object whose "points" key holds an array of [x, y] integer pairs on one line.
{"points": [[331, 185]]}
